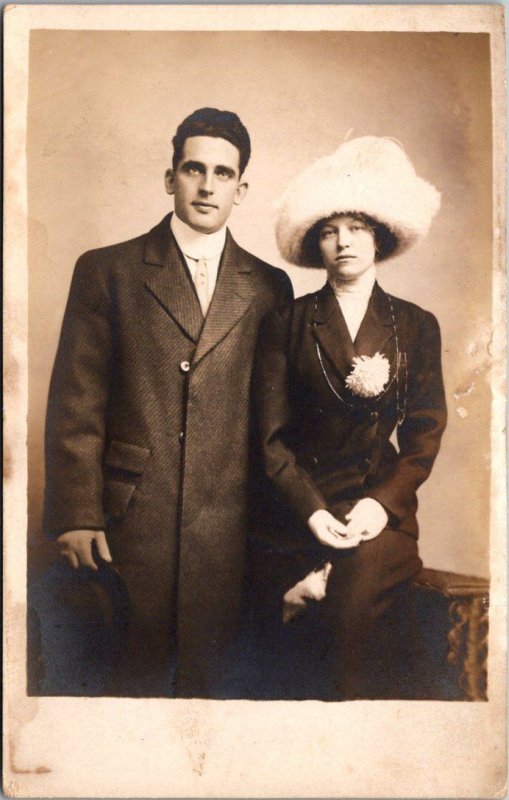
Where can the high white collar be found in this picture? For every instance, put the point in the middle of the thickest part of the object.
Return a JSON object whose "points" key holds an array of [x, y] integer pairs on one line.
{"points": [[197, 245], [361, 287]]}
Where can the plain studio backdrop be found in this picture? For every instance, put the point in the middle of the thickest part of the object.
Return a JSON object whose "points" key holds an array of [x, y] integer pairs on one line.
{"points": [[103, 107]]}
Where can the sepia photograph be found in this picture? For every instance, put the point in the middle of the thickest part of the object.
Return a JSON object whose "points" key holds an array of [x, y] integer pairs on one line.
{"points": [[255, 341]]}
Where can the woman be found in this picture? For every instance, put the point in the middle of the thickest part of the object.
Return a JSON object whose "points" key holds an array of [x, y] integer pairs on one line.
{"points": [[336, 374]]}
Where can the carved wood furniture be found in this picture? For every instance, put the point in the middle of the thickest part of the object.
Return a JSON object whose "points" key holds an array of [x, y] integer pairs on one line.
{"points": [[458, 605]]}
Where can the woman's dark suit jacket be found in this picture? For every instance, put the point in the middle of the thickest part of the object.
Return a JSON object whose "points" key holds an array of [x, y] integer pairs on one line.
{"points": [[321, 450]]}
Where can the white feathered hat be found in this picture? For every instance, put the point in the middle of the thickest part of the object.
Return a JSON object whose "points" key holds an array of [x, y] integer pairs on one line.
{"points": [[371, 175]]}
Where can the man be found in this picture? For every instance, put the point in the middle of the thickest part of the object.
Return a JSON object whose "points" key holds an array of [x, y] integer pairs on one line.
{"points": [[147, 444]]}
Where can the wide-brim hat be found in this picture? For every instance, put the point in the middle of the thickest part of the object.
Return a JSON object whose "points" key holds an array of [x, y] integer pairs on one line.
{"points": [[369, 175]]}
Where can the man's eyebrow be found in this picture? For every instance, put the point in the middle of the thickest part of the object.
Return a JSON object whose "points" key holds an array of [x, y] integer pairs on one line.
{"points": [[227, 170], [193, 165]]}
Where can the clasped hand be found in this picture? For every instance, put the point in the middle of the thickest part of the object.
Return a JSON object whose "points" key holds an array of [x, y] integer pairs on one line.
{"points": [[76, 547], [366, 520]]}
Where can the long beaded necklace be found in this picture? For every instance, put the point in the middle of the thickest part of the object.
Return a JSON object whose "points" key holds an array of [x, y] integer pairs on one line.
{"points": [[401, 362]]}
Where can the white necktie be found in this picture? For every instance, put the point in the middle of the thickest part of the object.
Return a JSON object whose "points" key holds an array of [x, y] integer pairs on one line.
{"points": [[201, 281]]}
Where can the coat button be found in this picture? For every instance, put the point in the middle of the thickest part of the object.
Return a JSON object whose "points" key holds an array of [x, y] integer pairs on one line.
{"points": [[185, 366], [373, 417], [314, 460], [366, 463], [181, 437]]}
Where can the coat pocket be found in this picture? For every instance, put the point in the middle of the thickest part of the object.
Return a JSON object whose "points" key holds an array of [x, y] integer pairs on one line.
{"points": [[123, 465], [116, 497], [126, 456]]}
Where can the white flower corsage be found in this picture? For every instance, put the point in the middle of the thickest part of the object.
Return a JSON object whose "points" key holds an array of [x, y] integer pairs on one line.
{"points": [[369, 375]]}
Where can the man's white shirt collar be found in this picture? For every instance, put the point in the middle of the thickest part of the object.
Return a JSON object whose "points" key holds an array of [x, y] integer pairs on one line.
{"points": [[197, 245]]}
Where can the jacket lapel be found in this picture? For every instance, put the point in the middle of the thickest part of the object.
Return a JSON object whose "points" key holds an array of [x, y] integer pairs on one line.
{"points": [[331, 331], [232, 297], [377, 327], [171, 285]]}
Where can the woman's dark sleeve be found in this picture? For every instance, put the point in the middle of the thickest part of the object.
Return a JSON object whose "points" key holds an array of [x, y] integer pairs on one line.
{"points": [[421, 431], [273, 412]]}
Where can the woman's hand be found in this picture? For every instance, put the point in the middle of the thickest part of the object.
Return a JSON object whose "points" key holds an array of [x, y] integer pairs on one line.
{"points": [[367, 519], [331, 532]]}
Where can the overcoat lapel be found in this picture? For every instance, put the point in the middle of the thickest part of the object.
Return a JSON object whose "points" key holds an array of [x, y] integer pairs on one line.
{"points": [[172, 285], [331, 331], [232, 297]]}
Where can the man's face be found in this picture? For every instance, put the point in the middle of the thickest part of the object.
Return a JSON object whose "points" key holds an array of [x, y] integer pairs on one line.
{"points": [[206, 183]]}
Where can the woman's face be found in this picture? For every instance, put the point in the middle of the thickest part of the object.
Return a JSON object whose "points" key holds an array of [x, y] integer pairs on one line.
{"points": [[347, 246]]}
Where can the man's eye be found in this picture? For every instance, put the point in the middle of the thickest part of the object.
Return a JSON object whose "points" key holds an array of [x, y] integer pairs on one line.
{"points": [[192, 169], [224, 174]]}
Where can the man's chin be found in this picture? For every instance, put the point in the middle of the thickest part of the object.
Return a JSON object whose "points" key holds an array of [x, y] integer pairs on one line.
{"points": [[203, 222]]}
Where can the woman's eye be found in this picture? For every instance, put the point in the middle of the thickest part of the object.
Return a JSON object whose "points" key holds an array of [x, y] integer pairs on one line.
{"points": [[327, 234]]}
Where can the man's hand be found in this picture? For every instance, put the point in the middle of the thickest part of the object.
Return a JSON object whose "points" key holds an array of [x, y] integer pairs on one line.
{"points": [[367, 519], [76, 547], [331, 532]]}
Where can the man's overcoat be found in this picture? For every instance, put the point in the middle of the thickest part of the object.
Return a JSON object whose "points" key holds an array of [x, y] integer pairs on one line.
{"points": [[148, 430]]}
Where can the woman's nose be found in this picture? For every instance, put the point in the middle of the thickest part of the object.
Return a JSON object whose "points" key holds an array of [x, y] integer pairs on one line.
{"points": [[344, 237]]}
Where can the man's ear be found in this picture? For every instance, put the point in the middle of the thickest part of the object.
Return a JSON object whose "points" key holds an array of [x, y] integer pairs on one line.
{"points": [[169, 181], [240, 193]]}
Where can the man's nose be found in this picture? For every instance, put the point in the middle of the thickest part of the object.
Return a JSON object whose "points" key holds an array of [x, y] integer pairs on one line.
{"points": [[207, 184]]}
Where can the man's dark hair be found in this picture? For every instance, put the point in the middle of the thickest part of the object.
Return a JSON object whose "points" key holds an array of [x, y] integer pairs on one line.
{"points": [[212, 122], [385, 240]]}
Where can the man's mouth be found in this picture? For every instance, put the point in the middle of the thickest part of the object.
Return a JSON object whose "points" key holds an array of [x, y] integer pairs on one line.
{"points": [[199, 204]]}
